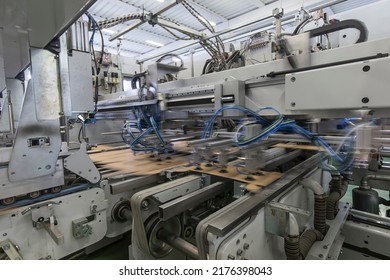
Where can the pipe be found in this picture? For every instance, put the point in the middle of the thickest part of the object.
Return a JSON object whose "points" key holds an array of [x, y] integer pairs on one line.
{"points": [[319, 204], [291, 241], [330, 168], [292, 226], [366, 178], [313, 185], [178, 243], [295, 246]]}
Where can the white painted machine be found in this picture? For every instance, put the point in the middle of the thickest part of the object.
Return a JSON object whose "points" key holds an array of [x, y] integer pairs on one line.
{"points": [[273, 146]]}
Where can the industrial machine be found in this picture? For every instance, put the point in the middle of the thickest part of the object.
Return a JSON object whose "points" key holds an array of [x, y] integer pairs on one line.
{"points": [[247, 162]]}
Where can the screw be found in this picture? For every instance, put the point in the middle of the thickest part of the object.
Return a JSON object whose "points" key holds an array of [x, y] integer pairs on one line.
{"points": [[246, 246], [293, 79], [321, 256], [231, 257], [325, 247], [239, 252]]}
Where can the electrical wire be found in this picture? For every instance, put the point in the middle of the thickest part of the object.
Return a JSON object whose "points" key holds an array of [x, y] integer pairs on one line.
{"points": [[96, 62]]}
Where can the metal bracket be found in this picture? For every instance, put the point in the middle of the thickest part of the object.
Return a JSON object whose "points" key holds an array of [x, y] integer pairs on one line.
{"points": [[81, 164], [43, 217], [53, 231], [276, 217], [10, 250]]}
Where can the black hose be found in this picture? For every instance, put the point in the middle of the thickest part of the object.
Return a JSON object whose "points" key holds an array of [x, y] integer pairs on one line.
{"points": [[320, 213], [135, 79], [342, 25], [291, 247], [171, 55], [297, 247], [332, 205], [307, 240], [299, 26], [338, 188], [384, 201]]}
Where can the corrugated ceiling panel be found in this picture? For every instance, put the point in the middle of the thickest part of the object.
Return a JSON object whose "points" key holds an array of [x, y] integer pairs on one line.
{"points": [[349, 5], [228, 9], [215, 10], [111, 8], [183, 16]]}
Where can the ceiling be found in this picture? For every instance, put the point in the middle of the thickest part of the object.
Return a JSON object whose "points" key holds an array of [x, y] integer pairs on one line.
{"points": [[140, 42]]}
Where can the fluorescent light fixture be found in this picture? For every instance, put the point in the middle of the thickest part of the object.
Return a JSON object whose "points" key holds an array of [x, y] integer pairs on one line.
{"points": [[212, 23], [108, 31], [154, 43]]}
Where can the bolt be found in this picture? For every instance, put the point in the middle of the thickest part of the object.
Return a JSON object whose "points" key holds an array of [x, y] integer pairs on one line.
{"points": [[321, 256], [239, 252], [325, 247], [231, 257], [48, 257], [145, 204], [246, 246]]}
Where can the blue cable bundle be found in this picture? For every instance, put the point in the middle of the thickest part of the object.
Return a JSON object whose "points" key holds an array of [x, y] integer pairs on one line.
{"points": [[342, 163], [145, 126]]}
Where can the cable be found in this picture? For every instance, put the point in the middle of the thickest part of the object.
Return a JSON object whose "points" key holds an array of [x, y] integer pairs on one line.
{"points": [[94, 26], [171, 55], [342, 162]]}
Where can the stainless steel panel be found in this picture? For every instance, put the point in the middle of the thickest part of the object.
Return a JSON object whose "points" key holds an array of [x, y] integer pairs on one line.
{"points": [[350, 86], [45, 84], [37, 143], [10, 189], [80, 82]]}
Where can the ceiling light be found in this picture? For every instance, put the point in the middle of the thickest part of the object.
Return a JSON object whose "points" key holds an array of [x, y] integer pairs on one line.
{"points": [[108, 31], [207, 21], [154, 43]]}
